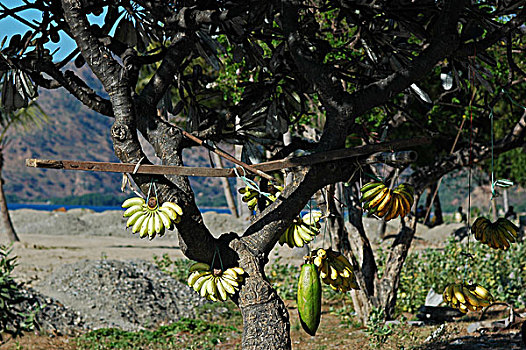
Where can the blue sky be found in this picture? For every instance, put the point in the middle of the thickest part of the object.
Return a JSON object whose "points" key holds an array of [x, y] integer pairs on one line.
{"points": [[10, 26]]}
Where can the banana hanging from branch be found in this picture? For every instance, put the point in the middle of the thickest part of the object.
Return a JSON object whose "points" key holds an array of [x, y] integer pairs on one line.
{"points": [[150, 219], [380, 200], [251, 196], [335, 270], [465, 296], [302, 231], [215, 284], [498, 235]]}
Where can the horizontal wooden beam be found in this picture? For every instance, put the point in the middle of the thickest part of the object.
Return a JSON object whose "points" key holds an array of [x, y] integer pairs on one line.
{"points": [[374, 150]]}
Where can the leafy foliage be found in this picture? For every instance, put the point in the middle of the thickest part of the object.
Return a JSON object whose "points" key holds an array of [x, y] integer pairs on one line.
{"points": [[12, 320], [378, 331], [183, 334], [501, 272], [177, 268]]}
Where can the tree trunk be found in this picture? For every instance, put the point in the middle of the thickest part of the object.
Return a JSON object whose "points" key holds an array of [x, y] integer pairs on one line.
{"points": [[439, 219], [266, 323], [6, 219], [362, 258], [376, 292], [231, 202]]}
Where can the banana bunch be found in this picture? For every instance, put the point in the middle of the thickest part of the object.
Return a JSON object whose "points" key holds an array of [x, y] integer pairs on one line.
{"points": [[302, 231], [251, 195], [497, 235], [215, 285], [381, 201], [150, 219], [335, 270], [466, 297]]}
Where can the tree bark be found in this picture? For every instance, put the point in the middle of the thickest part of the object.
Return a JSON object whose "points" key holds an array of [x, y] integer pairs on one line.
{"points": [[439, 218], [266, 322], [6, 219]]}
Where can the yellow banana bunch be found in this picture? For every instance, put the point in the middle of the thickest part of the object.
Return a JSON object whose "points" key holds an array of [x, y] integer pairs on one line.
{"points": [[215, 285], [251, 195], [302, 231], [150, 219], [466, 297], [498, 235], [383, 202], [335, 270]]}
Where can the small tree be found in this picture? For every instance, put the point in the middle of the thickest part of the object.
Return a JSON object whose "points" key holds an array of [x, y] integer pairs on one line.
{"points": [[23, 118], [331, 72]]}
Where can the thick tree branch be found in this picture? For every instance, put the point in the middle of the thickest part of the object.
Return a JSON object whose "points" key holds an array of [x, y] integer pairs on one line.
{"points": [[76, 86], [195, 239], [471, 49], [442, 45], [164, 76]]}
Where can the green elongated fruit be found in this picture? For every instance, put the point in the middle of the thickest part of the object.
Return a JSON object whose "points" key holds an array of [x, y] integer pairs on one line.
{"points": [[132, 210], [372, 193], [370, 186], [199, 266], [309, 298]]}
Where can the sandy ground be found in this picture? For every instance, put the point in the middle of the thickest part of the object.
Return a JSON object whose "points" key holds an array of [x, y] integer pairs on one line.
{"points": [[50, 239]]}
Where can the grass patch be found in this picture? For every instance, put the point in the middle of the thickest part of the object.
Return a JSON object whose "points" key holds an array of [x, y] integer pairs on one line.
{"points": [[184, 334]]}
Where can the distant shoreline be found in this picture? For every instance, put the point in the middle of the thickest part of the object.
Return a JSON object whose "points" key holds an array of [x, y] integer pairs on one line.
{"points": [[98, 209]]}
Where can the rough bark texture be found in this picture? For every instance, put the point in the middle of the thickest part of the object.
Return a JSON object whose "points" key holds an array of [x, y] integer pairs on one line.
{"points": [[265, 317]]}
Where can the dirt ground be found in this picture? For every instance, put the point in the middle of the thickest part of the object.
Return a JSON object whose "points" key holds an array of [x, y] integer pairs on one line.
{"points": [[51, 239]]}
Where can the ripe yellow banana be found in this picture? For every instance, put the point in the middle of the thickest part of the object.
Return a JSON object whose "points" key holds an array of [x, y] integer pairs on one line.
{"points": [[464, 296], [394, 209], [482, 292], [379, 198], [373, 192], [138, 224]]}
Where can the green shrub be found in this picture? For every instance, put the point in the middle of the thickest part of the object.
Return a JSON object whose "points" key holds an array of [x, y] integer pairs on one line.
{"points": [[12, 321], [177, 268], [183, 334], [503, 273]]}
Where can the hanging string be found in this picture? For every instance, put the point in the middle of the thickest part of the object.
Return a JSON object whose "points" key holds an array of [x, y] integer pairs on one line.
{"points": [[152, 184], [250, 183], [213, 259], [512, 100], [217, 253], [468, 255], [493, 193], [220, 260]]}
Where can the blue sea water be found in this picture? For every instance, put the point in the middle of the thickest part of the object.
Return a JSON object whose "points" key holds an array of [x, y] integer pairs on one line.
{"points": [[98, 209]]}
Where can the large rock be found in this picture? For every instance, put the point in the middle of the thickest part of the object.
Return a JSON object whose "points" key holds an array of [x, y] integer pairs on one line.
{"points": [[129, 295]]}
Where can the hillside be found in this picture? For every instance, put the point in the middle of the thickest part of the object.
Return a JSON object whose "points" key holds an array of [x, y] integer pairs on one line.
{"points": [[75, 132]]}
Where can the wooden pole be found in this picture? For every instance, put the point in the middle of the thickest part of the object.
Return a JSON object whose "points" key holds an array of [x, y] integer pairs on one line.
{"points": [[227, 156], [396, 157]]}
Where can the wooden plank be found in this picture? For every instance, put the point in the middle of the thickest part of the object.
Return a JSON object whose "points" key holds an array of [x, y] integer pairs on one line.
{"points": [[402, 157], [340, 154], [129, 168], [227, 156]]}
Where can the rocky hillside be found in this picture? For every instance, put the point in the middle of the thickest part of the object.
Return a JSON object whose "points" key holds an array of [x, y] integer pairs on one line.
{"points": [[77, 133]]}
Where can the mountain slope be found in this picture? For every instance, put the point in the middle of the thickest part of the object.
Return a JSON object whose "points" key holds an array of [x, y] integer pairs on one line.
{"points": [[76, 133]]}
